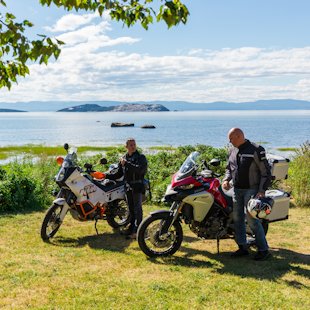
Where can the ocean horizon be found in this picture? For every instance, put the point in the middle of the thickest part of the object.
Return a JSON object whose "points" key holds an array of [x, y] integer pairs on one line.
{"points": [[272, 129]]}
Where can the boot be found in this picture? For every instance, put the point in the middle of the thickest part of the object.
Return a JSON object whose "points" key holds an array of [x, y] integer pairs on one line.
{"points": [[242, 251]]}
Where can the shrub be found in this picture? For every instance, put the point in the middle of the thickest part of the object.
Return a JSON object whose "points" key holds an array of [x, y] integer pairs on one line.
{"points": [[299, 175], [25, 186]]}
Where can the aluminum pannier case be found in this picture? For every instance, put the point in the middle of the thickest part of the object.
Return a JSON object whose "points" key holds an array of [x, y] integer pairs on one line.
{"points": [[279, 166], [280, 207]]}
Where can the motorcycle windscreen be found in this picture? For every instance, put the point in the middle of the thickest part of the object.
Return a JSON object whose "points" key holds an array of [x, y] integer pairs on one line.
{"points": [[201, 203]]}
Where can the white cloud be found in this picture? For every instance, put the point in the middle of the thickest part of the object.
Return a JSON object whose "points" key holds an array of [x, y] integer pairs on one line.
{"points": [[71, 22], [95, 66]]}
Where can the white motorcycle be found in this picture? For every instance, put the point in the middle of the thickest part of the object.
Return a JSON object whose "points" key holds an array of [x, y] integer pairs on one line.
{"points": [[87, 195]]}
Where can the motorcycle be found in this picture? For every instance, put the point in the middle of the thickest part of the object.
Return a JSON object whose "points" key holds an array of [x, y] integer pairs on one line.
{"points": [[197, 199], [87, 195]]}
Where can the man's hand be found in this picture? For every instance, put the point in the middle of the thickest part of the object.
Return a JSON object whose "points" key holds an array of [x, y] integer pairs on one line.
{"points": [[260, 195], [123, 161], [226, 185]]}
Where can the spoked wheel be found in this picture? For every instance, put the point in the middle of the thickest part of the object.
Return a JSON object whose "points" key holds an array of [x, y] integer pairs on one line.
{"points": [[51, 222], [150, 240], [119, 214]]}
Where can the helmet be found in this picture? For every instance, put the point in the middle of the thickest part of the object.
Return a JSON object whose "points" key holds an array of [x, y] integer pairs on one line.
{"points": [[259, 207]]}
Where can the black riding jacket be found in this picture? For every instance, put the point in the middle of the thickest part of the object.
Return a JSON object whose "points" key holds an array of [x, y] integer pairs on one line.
{"points": [[248, 167], [133, 171]]}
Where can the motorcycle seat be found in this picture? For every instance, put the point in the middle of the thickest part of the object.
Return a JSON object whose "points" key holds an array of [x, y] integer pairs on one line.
{"points": [[108, 186]]}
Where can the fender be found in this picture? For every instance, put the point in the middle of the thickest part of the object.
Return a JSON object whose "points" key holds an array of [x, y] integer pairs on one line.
{"points": [[169, 213], [65, 208], [170, 219]]}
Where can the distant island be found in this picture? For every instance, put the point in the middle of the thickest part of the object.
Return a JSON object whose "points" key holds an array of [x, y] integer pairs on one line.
{"points": [[11, 110], [118, 108], [107, 105]]}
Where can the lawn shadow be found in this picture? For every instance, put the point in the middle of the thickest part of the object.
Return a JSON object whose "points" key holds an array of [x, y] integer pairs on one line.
{"points": [[109, 241], [281, 262]]}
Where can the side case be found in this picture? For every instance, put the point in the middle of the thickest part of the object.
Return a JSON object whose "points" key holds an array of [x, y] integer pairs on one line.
{"points": [[281, 203], [279, 166]]}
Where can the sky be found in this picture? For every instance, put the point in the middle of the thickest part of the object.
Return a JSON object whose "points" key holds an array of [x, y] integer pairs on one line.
{"points": [[229, 50]]}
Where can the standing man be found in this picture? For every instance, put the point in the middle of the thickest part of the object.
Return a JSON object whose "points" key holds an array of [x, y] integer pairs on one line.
{"points": [[132, 166], [250, 173]]}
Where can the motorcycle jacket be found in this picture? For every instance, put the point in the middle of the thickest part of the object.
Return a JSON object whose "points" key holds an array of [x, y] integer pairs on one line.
{"points": [[248, 167], [133, 171]]}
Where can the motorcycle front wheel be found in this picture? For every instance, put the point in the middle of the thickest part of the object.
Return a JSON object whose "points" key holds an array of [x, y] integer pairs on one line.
{"points": [[118, 215], [51, 222], [152, 243]]}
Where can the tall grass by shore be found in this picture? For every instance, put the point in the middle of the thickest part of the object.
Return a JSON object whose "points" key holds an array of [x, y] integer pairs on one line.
{"points": [[27, 184], [298, 181]]}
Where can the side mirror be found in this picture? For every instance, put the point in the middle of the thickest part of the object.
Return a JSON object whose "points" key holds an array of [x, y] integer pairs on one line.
{"points": [[66, 146], [88, 166], [215, 162], [103, 161]]}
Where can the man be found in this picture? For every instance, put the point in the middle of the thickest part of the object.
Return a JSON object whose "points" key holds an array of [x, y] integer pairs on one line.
{"points": [[250, 173], [132, 166]]}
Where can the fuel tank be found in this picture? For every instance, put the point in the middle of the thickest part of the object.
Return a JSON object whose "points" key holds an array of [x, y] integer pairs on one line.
{"points": [[201, 203]]}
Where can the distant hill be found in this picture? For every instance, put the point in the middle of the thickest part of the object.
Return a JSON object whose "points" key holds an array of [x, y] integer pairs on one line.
{"points": [[10, 110], [118, 108], [274, 104]]}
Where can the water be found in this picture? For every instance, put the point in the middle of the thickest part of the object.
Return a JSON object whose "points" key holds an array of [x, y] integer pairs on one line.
{"points": [[272, 129]]}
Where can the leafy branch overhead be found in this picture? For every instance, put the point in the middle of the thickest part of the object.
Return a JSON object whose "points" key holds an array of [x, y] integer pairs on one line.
{"points": [[16, 49]]}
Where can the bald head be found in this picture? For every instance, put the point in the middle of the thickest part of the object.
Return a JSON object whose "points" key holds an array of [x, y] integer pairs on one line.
{"points": [[236, 137]]}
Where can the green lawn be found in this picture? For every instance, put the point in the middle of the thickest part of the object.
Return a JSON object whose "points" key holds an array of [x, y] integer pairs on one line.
{"points": [[80, 270]]}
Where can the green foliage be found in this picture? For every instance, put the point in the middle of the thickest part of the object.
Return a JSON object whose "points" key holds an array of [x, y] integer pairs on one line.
{"points": [[130, 12], [16, 49], [299, 175], [26, 186]]}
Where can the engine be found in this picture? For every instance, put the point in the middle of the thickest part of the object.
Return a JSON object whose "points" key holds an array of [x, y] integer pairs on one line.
{"points": [[212, 227]]}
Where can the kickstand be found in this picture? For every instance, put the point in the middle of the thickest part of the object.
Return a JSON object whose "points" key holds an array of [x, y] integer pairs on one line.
{"points": [[218, 245], [96, 227]]}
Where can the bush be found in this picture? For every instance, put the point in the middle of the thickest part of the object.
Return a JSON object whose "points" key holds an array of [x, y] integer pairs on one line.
{"points": [[25, 186], [299, 175]]}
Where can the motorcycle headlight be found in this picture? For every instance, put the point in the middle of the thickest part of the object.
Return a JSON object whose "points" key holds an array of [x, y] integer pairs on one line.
{"points": [[65, 164], [61, 174], [188, 186]]}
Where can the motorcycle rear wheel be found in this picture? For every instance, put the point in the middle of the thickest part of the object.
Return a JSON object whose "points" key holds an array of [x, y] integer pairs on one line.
{"points": [[119, 214], [51, 222], [149, 239]]}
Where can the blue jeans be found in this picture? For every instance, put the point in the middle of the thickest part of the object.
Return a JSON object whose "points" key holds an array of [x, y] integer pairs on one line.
{"points": [[240, 199]]}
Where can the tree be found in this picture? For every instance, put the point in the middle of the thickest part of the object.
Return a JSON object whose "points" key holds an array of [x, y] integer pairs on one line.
{"points": [[16, 50]]}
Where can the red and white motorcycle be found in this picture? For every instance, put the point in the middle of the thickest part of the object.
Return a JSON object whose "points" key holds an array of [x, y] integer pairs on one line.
{"points": [[198, 200], [87, 195]]}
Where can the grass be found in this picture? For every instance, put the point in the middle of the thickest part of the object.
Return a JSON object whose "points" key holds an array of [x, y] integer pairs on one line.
{"points": [[80, 270], [287, 149], [38, 150]]}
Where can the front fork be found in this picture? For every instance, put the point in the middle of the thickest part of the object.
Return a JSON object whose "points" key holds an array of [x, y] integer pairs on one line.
{"points": [[65, 207], [173, 215]]}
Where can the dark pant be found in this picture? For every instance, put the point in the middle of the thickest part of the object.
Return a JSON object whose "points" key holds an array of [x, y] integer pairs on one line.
{"points": [[134, 200]]}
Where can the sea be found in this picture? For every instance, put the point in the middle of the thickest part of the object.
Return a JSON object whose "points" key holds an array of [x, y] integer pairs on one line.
{"points": [[272, 129]]}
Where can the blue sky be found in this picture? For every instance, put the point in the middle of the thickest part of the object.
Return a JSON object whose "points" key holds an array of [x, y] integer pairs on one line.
{"points": [[230, 50]]}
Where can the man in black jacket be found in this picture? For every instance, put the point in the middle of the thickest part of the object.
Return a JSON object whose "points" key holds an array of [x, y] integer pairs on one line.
{"points": [[249, 171], [132, 166]]}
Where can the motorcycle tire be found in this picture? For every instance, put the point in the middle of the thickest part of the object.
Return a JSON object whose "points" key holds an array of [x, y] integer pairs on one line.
{"points": [[51, 219], [141, 236], [118, 210]]}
